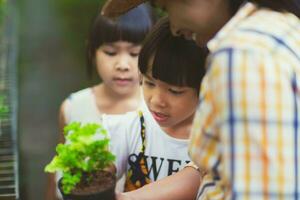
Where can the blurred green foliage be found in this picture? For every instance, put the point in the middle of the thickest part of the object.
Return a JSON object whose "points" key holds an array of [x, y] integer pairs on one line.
{"points": [[3, 106], [77, 17], [3, 10]]}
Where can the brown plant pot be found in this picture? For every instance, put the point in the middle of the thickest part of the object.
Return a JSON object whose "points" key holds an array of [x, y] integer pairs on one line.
{"points": [[101, 187]]}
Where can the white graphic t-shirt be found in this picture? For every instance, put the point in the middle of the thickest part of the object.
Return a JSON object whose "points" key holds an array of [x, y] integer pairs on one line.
{"points": [[160, 156]]}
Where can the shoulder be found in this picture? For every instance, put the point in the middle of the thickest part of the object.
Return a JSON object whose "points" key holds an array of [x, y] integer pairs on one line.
{"points": [[81, 94], [81, 100], [81, 106], [130, 122], [264, 31], [115, 122]]}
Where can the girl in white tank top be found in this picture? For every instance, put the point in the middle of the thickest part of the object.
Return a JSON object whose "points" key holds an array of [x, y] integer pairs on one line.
{"points": [[112, 49]]}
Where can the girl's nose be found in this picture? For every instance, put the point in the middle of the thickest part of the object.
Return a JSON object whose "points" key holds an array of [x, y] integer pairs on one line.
{"points": [[123, 63]]}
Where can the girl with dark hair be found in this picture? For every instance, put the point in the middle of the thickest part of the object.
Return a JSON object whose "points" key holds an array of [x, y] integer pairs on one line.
{"points": [[246, 128], [151, 143], [113, 48]]}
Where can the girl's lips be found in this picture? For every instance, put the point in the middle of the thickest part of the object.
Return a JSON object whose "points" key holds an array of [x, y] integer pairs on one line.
{"points": [[122, 81], [159, 117]]}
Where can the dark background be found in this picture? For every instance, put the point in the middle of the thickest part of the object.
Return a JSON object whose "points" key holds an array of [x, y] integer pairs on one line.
{"points": [[51, 64]]}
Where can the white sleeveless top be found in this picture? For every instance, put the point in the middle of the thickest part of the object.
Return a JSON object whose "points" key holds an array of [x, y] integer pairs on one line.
{"points": [[81, 107]]}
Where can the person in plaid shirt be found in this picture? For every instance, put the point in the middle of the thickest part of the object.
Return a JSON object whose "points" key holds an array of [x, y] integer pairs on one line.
{"points": [[246, 129]]}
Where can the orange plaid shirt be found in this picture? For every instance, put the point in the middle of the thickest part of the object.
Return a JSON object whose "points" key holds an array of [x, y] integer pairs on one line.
{"points": [[246, 128]]}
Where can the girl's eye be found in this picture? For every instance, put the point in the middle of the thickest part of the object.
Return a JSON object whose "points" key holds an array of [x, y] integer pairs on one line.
{"points": [[149, 84], [110, 53], [134, 54], [176, 92]]}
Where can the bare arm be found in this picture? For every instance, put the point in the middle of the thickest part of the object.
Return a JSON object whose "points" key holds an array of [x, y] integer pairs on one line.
{"points": [[61, 123], [180, 186], [51, 180], [51, 188]]}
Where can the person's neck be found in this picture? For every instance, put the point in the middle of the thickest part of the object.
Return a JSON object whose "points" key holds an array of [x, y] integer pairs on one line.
{"points": [[221, 20], [110, 102]]}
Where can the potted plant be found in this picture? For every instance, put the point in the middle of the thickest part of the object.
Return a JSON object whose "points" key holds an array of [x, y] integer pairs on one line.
{"points": [[82, 160]]}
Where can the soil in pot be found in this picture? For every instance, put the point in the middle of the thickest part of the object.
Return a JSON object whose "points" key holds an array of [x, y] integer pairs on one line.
{"points": [[100, 187]]}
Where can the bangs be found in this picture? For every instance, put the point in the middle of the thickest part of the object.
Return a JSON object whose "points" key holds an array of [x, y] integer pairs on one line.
{"points": [[171, 59], [179, 62], [131, 27]]}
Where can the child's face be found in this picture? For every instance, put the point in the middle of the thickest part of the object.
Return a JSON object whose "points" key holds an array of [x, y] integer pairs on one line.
{"points": [[117, 66], [196, 19], [171, 106]]}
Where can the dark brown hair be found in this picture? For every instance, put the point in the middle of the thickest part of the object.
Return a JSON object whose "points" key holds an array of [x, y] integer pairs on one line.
{"points": [[131, 27], [176, 60]]}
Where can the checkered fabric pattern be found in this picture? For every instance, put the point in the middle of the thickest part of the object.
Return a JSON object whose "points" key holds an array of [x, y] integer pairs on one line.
{"points": [[246, 128]]}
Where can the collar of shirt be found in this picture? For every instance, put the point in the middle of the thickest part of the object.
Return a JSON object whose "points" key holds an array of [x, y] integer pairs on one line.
{"points": [[246, 10]]}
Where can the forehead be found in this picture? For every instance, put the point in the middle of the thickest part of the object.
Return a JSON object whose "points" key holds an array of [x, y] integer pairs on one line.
{"points": [[121, 44]]}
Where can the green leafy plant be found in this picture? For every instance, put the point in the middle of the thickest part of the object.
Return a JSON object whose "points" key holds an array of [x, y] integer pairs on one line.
{"points": [[86, 151]]}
